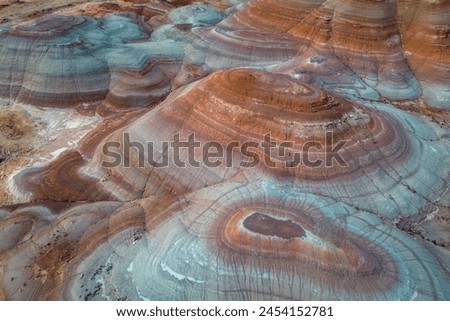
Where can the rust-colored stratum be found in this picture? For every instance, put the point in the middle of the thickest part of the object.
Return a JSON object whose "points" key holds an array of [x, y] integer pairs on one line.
{"points": [[225, 150]]}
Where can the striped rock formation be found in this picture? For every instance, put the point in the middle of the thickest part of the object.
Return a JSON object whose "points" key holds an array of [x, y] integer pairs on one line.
{"points": [[67, 61], [299, 175]]}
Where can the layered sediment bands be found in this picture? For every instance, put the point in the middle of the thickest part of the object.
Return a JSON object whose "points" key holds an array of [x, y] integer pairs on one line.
{"points": [[426, 43], [370, 44], [270, 15], [68, 61], [218, 110], [296, 177], [366, 154], [44, 242], [204, 251], [363, 51], [152, 81], [20, 11], [147, 85], [195, 16], [39, 69], [218, 48], [62, 181], [316, 61], [338, 46], [145, 9]]}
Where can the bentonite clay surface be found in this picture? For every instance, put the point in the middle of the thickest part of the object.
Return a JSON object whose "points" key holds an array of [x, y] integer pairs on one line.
{"points": [[362, 214]]}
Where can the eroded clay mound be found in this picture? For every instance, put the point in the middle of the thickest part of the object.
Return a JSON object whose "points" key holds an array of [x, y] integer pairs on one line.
{"points": [[65, 61], [250, 238]]}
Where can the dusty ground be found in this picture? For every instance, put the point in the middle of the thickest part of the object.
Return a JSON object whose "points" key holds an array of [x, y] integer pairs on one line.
{"points": [[17, 136]]}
